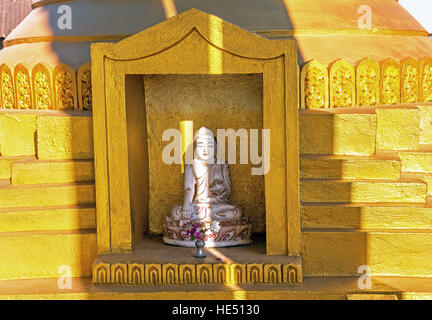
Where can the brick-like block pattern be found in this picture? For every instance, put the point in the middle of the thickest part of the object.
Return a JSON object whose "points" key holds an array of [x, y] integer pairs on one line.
{"points": [[17, 134], [64, 137], [339, 134], [398, 129]]}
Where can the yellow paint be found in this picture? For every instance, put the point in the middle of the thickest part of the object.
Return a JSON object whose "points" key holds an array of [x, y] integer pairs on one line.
{"points": [[355, 217], [425, 124], [371, 296], [6, 168], [52, 172], [27, 255], [64, 137], [17, 134], [340, 134], [386, 253], [359, 191], [47, 219], [37, 196], [416, 161], [339, 168], [398, 129]]}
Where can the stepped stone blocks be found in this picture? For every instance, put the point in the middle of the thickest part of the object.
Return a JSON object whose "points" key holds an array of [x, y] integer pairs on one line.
{"points": [[51, 195], [428, 180], [348, 168], [6, 168], [64, 137], [328, 252], [339, 134], [26, 255], [398, 129], [17, 134], [52, 172], [362, 191], [425, 124], [48, 218], [358, 217], [416, 161]]}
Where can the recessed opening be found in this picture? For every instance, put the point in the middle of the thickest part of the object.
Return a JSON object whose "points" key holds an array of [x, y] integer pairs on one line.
{"points": [[155, 103]]}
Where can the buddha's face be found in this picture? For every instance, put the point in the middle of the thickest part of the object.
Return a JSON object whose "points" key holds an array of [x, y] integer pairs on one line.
{"points": [[205, 149]]}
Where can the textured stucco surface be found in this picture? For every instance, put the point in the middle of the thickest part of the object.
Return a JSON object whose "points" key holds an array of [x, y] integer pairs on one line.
{"points": [[398, 129]]}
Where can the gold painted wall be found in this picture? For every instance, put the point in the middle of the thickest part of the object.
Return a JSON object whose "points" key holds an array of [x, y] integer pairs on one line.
{"points": [[214, 101]]}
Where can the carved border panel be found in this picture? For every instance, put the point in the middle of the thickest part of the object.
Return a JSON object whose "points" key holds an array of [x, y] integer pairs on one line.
{"points": [[84, 87], [189, 274], [7, 94], [425, 86], [342, 84], [42, 87], [409, 81], [23, 87], [314, 86], [368, 83], [64, 84]]}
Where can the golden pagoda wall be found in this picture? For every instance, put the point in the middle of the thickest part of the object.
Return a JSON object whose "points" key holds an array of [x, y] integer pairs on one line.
{"points": [[340, 84]]}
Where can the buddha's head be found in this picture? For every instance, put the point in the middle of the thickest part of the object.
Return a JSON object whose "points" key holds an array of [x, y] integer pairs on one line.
{"points": [[205, 145]]}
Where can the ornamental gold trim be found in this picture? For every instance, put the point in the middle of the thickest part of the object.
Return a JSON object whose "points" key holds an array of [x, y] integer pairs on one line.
{"points": [[23, 87], [425, 83], [314, 86], [89, 38], [342, 84], [84, 87], [368, 83], [64, 85], [42, 87], [390, 82], [409, 81], [387, 82], [168, 274], [7, 92]]}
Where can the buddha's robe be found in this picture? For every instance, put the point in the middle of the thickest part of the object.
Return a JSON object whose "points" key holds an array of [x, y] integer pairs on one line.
{"points": [[212, 186]]}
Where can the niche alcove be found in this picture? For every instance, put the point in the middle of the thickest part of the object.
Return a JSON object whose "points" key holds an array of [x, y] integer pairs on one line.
{"points": [[138, 84]]}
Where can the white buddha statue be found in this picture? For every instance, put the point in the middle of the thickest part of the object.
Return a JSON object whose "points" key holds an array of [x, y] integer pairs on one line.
{"points": [[207, 187], [207, 184]]}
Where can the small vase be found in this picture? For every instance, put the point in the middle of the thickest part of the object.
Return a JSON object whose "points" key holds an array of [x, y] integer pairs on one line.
{"points": [[200, 246]]}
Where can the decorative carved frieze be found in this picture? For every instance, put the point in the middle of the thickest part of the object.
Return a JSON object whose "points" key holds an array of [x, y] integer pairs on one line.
{"points": [[85, 87], [314, 86], [23, 87], [387, 82], [425, 86], [409, 81], [342, 84], [7, 97], [64, 88], [368, 82], [42, 87], [390, 82], [190, 274]]}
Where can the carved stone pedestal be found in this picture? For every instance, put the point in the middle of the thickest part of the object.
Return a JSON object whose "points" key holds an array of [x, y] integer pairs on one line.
{"points": [[230, 233]]}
